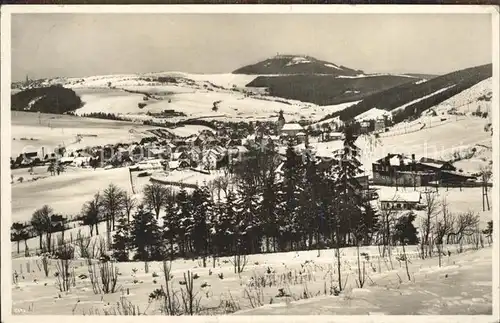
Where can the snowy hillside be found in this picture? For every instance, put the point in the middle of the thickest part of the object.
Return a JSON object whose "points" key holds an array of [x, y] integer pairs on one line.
{"points": [[476, 97], [137, 96]]}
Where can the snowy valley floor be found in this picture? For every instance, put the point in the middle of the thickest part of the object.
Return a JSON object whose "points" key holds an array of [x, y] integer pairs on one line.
{"points": [[462, 286]]}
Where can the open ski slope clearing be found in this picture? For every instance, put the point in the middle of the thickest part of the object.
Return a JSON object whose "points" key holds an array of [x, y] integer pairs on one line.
{"points": [[422, 98]]}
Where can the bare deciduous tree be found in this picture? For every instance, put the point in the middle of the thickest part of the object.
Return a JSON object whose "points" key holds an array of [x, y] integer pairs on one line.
{"points": [[466, 224], [129, 202], [444, 227], [155, 197], [427, 226], [41, 223], [112, 204], [91, 213]]}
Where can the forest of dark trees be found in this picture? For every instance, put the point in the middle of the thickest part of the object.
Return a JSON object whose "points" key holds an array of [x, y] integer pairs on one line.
{"points": [[327, 89], [53, 99]]}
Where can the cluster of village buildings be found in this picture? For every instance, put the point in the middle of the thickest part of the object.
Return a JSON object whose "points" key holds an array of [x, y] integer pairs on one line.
{"points": [[209, 151]]}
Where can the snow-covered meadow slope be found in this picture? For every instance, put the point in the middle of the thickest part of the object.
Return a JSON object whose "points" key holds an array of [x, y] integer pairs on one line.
{"points": [[191, 94], [461, 286], [30, 132]]}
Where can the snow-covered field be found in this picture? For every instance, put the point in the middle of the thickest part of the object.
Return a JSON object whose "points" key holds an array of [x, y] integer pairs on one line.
{"points": [[461, 286], [65, 193], [196, 103], [51, 131]]}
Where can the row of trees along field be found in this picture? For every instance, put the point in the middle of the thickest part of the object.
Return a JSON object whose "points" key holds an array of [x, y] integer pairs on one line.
{"points": [[263, 207]]}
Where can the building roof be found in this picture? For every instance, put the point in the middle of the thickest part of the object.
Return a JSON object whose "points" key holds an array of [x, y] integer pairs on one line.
{"points": [[174, 164], [156, 151], [66, 159], [412, 197], [395, 159], [177, 155], [196, 150], [292, 126], [433, 165], [465, 175]]}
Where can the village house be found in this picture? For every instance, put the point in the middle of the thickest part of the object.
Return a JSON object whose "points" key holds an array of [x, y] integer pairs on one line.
{"points": [[332, 136], [364, 127], [250, 140], [237, 153], [445, 171], [209, 159], [379, 124], [400, 200], [399, 170], [194, 155], [179, 155], [291, 129], [155, 152]]}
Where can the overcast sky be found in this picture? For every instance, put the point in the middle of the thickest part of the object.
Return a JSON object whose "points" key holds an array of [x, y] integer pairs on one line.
{"points": [[48, 45]]}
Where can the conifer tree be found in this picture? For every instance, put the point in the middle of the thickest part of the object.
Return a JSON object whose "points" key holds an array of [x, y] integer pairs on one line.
{"points": [[224, 226], [348, 196], [202, 213], [146, 237], [121, 240], [349, 190], [247, 208], [288, 197], [171, 224], [184, 216], [404, 230], [310, 202]]}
